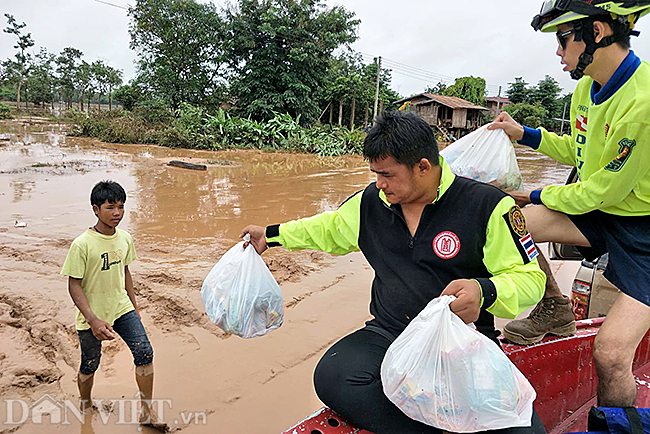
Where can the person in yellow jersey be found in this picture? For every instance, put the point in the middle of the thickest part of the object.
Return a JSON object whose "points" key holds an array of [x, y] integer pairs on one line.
{"points": [[608, 210], [425, 232], [101, 287]]}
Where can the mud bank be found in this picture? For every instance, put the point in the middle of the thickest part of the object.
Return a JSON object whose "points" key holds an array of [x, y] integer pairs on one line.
{"points": [[182, 221]]}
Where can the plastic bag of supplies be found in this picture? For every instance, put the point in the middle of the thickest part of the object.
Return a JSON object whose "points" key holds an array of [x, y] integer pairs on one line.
{"points": [[442, 372], [240, 294], [487, 156]]}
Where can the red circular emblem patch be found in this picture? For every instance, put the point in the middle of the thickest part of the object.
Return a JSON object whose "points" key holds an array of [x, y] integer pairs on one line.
{"points": [[446, 245]]}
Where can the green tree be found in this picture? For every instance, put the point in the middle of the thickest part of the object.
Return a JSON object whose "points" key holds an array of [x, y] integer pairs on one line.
{"points": [[531, 115], [344, 84], [127, 95], [438, 89], [518, 91], [280, 52], [41, 80], [84, 82], [350, 82], [99, 71], [180, 48], [114, 79], [19, 69], [470, 89], [67, 63], [547, 94]]}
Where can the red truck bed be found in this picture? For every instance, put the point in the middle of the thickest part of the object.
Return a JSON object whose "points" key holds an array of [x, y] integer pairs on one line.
{"points": [[561, 370]]}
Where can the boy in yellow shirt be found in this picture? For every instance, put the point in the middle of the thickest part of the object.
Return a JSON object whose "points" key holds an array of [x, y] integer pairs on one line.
{"points": [[101, 287]]}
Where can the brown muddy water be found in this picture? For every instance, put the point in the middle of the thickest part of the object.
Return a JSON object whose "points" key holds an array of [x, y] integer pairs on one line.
{"points": [[182, 221]]}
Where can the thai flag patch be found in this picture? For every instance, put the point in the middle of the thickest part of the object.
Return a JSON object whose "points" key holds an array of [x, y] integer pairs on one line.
{"points": [[529, 246]]}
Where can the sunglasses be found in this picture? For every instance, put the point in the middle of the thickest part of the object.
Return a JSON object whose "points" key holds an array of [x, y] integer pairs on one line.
{"points": [[562, 37]]}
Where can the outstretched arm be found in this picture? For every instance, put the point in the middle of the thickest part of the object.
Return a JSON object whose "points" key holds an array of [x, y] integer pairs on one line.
{"points": [[335, 232]]}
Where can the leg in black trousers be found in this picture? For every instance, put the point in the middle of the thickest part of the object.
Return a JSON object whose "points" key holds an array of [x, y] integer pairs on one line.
{"points": [[347, 380]]}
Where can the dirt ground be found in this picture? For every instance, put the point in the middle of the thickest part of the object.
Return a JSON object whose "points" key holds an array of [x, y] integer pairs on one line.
{"points": [[182, 221]]}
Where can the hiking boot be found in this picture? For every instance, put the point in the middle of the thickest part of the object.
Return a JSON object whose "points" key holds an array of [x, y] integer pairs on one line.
{"points": [[551, 316]]}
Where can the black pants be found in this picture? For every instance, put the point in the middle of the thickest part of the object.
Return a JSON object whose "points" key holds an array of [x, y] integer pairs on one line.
{"points": [[347, 380]]}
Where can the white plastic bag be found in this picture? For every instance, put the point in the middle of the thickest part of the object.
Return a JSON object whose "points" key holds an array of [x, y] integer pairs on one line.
{"points": [[444, 373], [240, 294], [486, 156]]}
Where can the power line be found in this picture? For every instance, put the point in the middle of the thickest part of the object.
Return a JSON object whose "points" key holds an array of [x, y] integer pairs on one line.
{"points": [[419, 73], [111, 4], [415, 69], [427, 76]]}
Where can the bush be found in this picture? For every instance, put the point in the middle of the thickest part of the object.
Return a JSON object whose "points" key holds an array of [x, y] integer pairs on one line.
{"points": [[192, 127], [5, 111]]}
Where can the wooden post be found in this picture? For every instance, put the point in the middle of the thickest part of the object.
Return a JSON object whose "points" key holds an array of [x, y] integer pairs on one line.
{"points": [[340, 113], [365, 117], [331, 111], [499, 102], [374, 113], [354, 106], [20, 84]]}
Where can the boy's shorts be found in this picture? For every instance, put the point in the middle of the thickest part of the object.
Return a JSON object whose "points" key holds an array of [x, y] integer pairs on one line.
{"points": [[130, 329], [627, 239]]}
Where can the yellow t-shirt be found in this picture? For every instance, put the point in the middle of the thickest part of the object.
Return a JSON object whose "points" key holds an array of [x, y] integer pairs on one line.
{"points": [[99, 260]]}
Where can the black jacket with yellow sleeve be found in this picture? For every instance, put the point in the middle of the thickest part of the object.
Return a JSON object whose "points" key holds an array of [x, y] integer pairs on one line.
{"points": [[471, 231]]}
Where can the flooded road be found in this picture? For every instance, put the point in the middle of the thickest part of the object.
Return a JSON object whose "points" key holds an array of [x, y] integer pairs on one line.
{"points": [[182, 221]]}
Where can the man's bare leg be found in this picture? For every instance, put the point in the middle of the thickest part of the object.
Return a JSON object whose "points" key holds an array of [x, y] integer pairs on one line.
{"points": [[552, 289], [85, 384], [553, 314], [614, 351], [546, 225], [144, 378]]}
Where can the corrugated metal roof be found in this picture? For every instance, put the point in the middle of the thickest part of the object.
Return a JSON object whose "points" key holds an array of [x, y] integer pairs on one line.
{"points": [[449, 101], [403, 100], [497, 99], [453, 102]]}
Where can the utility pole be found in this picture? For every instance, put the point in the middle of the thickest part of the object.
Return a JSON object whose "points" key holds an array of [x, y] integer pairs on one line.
{"points": [[499, 102], [374, 113], [563, 115]]}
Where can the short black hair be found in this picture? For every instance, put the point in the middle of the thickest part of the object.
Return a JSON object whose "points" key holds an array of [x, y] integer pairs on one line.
{"points": [[620, 28], [404, 136], [109, 191]]}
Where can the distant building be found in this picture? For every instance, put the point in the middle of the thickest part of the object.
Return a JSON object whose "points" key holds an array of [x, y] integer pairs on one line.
{"points": [[455, 115], [496, 104]]}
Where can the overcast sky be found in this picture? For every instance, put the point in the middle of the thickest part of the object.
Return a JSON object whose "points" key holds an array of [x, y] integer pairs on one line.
{"points": [[422, 41]]}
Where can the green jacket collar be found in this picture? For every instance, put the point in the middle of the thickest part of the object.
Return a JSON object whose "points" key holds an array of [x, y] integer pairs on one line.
{"points": [[446, 179]]}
